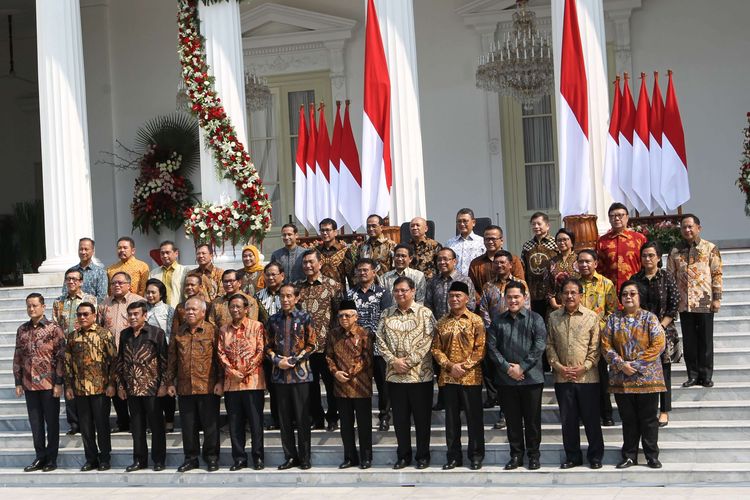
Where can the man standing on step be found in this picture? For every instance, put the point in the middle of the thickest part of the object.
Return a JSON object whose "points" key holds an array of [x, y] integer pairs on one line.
{"points": [[291, 342], [620, 248], [458, 349], [402, 257], [573, 353], [209, 273], [289, 257], [171, 273], [349, 357], [196, 375], [696, 265], [95, 280], [89, 361], [136, 269], [219, 315], [38, 369], [425, 249], [139, 380]]}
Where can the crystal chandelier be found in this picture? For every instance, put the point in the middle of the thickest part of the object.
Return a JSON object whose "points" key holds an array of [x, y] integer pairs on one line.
{"points": [[518, 64], [257, 93]]}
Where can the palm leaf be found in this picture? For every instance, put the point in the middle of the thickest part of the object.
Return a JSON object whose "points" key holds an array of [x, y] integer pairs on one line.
{"points": [[174, 132]]}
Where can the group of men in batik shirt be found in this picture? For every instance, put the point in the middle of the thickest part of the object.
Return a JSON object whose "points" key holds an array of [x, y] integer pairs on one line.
{"points": [[466, 315]]}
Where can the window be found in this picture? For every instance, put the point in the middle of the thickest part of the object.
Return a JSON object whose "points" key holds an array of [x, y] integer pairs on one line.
{"points": [[539, 156]]}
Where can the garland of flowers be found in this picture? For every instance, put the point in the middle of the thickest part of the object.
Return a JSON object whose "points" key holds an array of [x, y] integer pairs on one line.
{"points": [[250, 216], [743, 182], [666, 233]]}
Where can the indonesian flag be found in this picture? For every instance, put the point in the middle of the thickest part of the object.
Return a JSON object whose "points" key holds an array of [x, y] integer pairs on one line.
{"points": [[335, 165], [323, 164], [625, 158], [376, 123], [311, 184], [641, 170], [575, 156], [300, 176], [350, 180], [675, 186], [611, 178], [655, 122]]}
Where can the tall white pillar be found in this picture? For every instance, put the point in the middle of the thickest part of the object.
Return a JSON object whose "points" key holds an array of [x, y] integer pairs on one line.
{"points": [[66, 177], [397, 30]]}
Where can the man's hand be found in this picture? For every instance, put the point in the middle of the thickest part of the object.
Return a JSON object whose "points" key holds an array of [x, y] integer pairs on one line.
{"points": [[161, 392], [457, 371], [284, 364], [69, 394], [110, 391], [715, 306], [515, 372], [575, 372], [628, 370], [19, 391], [122, 394], [171, 391], [341, 376], [235, 374], [399, 364], [219, 389]]}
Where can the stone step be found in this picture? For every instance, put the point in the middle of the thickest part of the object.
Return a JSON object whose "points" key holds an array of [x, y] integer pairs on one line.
{"points": [[20, 292], [735, 294], [736, 281], [672, 474], [735, 268], [495, 454], [739, 256], [730, 324]]}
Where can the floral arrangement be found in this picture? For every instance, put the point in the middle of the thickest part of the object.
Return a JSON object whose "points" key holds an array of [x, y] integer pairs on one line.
{"points": [[249, 217], [743, 182], [666, 233]]}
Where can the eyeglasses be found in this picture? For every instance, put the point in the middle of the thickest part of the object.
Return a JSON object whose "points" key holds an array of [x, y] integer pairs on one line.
{"points": [[272, 275], [629, 294], [83, 315], [347, 315], [464, 222], [119, 283], [618, 215], [491, 238], [401, 291], [373, 225], [72, 279], [327, 230], [228, 282]]}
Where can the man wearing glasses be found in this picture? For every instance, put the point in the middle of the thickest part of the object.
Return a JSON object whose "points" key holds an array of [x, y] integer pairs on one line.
{"points": [[377, 247], [480, 269], [619, 249], [219, 315], [336, 257], [467, 244]]}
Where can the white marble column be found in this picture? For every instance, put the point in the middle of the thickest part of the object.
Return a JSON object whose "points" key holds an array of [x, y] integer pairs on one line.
{"points": [[66, 176], [397, 30], [220, 26]]}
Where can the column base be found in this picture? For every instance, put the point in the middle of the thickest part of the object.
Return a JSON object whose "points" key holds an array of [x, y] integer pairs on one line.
{"points": [[44, 279]]}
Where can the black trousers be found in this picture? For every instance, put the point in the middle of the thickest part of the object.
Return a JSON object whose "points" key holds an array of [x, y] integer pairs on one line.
{"points": [[440, 397], [244, 406], [93, 421], [639, 423], [203, 410], [579, 402], [319, 368], [168, 406], [523, 415], [412, 400], [359, 409], [665, 398], [605, 401], [490, 382], [121, 409], [268, 369], [71, 414], [44, 410], [698, 344], [384, 399], [468, 398], [540, 307], [147, 410], [294, 404]]}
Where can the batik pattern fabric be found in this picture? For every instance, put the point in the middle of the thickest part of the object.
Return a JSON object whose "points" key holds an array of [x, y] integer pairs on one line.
{"points": [[141, 361], [420, 283], [241, 351], [467, 249], [291, 262], [39, 357], [219, 314], [600, 296], [536, 255], [136, 269], [407, 334], [113, 313], [370, 305], [619, 255], [380, 250], [269, 303], [481, 273], [425, 252], [210, 281], [64, 309], [560, 268], [493, 303], [697, 269], [193, 362], [95, 281], [337, 262], [251, 282], [436, 298], [291, 335], [662, 298], [320, 298], [90, 361], [351, 352], [460, 340], [573, 340]]}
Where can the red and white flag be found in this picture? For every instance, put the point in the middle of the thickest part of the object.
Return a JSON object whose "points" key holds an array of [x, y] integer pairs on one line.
{"points": [[350, 179], [323, 165], [625, 156], [312, 183], [655, 122], [611, 178], [335, 165], [573, 146], [376, 123], [641, 169], [300, 171], [675, 185]]}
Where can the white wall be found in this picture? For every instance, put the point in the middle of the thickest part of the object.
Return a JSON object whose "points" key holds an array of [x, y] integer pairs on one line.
{"points": [[707, 46]]}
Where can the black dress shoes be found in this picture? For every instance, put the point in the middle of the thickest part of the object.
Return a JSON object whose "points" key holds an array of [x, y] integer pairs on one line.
{"points": [[104, 466], [305, 465], [628, 462], [654, 463], [365, 464], [36, 465], [49, 467], [500, 424], [690, 382], [422, 464], [116, 429], [239, 464], [534, 464], [213, 466], [514, 463], [384, 425], [569, 464], [318, 426], [438, 407], [89, 466], [288, 464], [332, 426], [608, 422], [400, 464], [158, 467], [188, 465], [134, 467], [258, 464], [72, 432], [595, 464], [475, 465], [452, 464], [346, 464], [489, 403], [707, 383]]}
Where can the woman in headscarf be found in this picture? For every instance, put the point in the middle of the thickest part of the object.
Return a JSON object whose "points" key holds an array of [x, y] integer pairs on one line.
{"points": [[252, 277]]}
